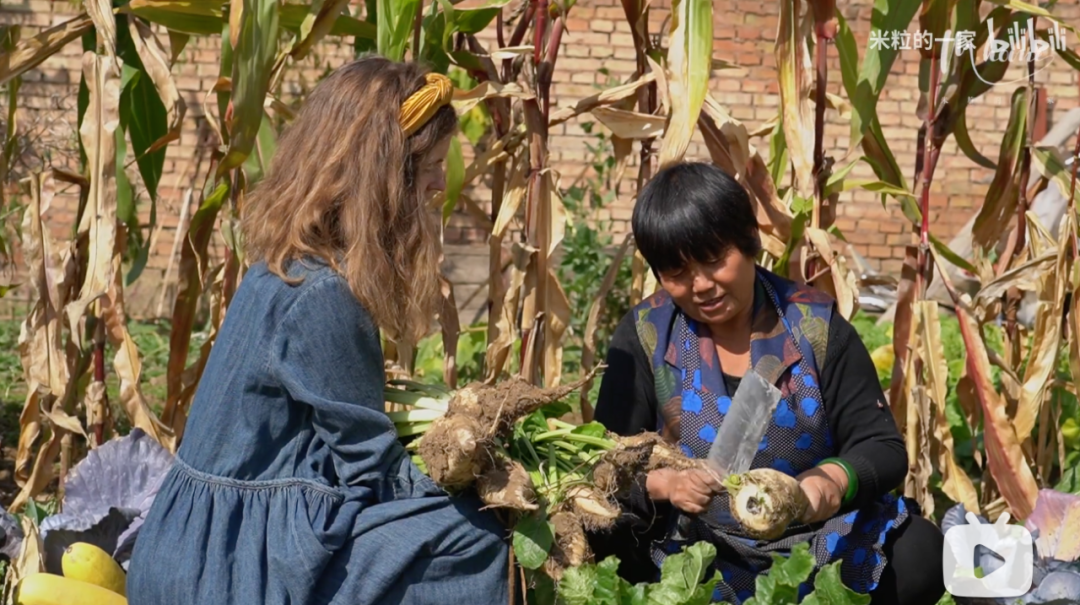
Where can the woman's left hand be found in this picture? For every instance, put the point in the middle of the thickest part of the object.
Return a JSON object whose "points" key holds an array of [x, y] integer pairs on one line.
{"points": [[824, 491]]}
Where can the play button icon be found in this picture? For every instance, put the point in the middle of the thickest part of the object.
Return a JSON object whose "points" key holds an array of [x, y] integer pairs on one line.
{"points": [[988, 561]]}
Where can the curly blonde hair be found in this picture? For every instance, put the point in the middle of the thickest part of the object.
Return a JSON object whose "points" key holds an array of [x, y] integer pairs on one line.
{"points": [[342, 187]]}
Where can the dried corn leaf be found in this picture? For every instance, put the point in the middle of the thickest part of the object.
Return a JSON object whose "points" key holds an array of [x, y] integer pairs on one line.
{"points": [[556, 321], [607, 97], [1039, 239], [501, 344], [630, 124], [30, 53], [189, 288], [1047, 335], [31, 559], [97, 411], [843, 285], [127, 363], [42, 473], [726, 138], [41, 343], [663, 96], [317, 23], [955, 482], [728, 143], [451, 329], [689, 63], [774, 217], [638, 270], [902, 325], [153, 56], [621, 148], [914, 401], [512, 198], [465, 100], [101, 14], [1007, 464], [596, 310], [1047, 162], [190, 377], [1024, 277], [792, 64], [99, 220], [556, 213]]}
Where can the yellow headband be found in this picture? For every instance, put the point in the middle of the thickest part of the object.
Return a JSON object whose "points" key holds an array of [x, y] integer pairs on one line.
{"points": [[421, 105]]}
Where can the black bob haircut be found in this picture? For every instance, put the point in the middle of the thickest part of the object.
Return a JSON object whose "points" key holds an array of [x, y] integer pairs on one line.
{"points": [[693, 211]]}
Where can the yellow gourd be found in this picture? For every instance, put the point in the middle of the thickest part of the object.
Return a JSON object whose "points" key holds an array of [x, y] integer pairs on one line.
{"points": [[51, 589], [88, 563]]}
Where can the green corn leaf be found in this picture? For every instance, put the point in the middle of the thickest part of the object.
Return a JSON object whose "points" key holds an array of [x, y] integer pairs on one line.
{"points": [[964, 142], [999, 207], [887, 16], [195, 17], [394, 27], [689, 63], [256, 164], [455, 178], [253, 61]]}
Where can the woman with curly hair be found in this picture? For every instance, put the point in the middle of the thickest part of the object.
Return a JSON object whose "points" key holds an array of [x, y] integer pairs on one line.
{"points": [[290, 485]]}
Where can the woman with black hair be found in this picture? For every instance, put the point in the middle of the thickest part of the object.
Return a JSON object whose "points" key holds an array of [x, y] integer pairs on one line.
{"points": [[676, 359]]}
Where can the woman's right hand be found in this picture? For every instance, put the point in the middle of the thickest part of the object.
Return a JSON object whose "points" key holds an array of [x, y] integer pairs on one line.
{"points": [[690, 490]]}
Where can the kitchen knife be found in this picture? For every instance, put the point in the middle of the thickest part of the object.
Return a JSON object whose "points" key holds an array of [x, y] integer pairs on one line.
{"points": [[740, 434]]}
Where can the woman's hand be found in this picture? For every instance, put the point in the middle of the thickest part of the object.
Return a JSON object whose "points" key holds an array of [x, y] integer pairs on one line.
{"points": [[824, 487], [690, 491]]}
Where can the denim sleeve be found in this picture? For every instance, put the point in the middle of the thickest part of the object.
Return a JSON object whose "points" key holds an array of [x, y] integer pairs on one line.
{"points": [[327, 355]]}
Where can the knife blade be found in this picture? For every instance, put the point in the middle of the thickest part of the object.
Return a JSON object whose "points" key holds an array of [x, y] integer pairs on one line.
{"points": [[744, 425], [736, 443]]}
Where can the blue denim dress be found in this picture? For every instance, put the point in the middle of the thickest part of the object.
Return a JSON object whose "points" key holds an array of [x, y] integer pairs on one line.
{"points": [[290, 486]]}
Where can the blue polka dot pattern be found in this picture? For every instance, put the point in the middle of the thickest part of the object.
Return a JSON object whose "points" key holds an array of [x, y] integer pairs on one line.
{"points": [[859, 557], [784, 466], [723, 404], [707, 434], [832, 540], [805, 441], [784, 416], [808, 380], [809, 406], [764, 443], [691, 402]]}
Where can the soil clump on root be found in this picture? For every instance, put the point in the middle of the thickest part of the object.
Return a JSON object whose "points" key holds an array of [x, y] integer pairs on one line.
{"points": [[507, 486], [570, 548]]}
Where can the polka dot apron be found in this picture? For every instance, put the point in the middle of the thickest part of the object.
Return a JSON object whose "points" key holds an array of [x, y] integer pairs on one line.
{"points": [[789, 338]]}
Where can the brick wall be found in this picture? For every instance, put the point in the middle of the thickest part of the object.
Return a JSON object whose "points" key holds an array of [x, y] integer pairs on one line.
{"points": [[597, 49]]}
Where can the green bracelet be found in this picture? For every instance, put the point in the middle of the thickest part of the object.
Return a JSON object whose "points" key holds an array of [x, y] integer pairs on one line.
{"points": [[852, 478]]}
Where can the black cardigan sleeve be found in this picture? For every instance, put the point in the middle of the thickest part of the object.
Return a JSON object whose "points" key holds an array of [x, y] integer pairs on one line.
{"points": [[861, 422], [626, 403]]}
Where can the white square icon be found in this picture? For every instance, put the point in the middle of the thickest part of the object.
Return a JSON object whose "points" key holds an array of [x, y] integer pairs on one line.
{"points": [[986, 560]]}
